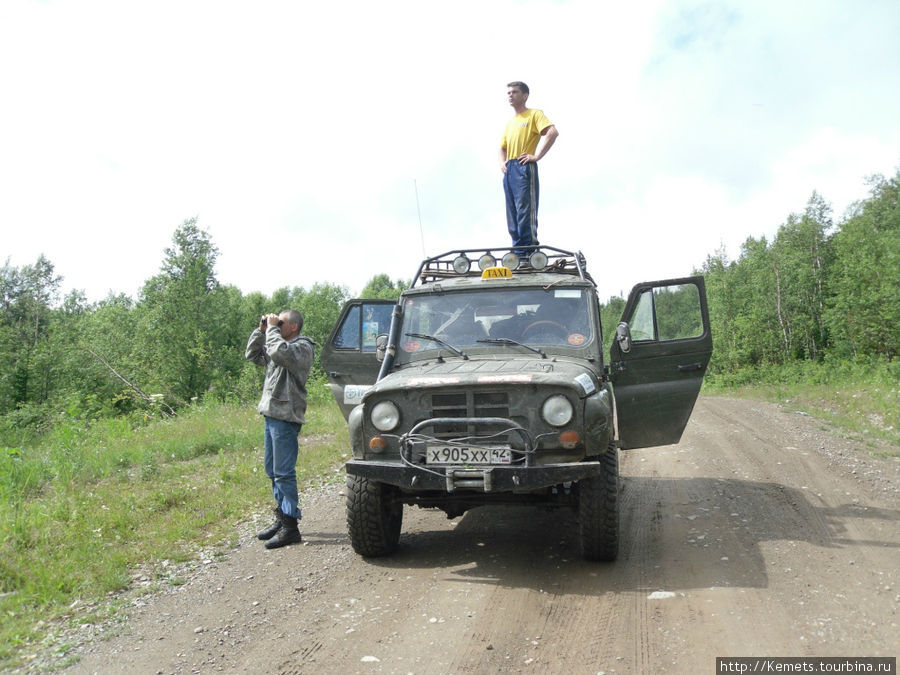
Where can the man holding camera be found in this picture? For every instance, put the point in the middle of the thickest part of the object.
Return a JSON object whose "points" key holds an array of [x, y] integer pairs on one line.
{"points": [[287, 356]]}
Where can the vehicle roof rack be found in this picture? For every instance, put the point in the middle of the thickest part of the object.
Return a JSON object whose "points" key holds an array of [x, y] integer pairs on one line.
{"points": [[470, 262]]}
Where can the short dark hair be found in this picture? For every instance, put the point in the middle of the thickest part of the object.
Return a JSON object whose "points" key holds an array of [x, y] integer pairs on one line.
{"points": [[521, 85], [294, 317]]}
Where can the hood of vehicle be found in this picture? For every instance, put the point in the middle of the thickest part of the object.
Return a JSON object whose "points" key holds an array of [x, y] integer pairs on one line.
{"points": [[493, 372]]}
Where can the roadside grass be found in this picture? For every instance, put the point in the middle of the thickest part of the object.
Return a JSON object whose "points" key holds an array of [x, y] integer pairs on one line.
{"points": [[858, 400], [85, 506]]}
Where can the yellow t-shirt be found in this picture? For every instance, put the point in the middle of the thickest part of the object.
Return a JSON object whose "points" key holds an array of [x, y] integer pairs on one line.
{"points": [[523, 133]]}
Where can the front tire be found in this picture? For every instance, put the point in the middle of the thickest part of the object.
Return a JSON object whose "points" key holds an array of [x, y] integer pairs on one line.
{"points": [[374, 516], [598, 510]]}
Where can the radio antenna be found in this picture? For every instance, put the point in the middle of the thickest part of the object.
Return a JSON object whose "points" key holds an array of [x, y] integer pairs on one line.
{"points": [[419, 213]]}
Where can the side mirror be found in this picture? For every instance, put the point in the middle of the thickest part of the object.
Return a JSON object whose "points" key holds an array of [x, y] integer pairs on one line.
{"points": [[623, 337], [381, 346]]}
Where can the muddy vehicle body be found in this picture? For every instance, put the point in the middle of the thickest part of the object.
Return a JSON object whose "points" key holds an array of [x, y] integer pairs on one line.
{"points": [[486, 383]]}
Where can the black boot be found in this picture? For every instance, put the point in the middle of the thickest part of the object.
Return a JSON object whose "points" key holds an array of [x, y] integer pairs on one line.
{"points": [[287, 534], [272, 530]]}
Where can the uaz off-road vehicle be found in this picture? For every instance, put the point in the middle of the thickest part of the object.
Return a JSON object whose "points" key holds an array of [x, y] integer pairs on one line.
{"points": [[486, 384]]}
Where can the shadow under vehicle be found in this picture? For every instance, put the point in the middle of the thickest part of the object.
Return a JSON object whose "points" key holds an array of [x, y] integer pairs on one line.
{"points": [[486, 383]]}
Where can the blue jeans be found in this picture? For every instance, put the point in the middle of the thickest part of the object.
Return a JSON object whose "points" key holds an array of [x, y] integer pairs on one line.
{"points": [[280, 461], [522, 189]]}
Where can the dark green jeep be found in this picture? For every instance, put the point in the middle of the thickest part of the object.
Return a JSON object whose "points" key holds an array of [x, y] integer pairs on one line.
{"points": [[486, 384]]}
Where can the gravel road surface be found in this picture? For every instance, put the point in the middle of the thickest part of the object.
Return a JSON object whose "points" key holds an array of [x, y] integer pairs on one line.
{"points": [[759, 534]]}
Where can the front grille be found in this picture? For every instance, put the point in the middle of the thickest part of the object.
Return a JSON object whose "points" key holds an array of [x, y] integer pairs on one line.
{"points": [[470, 404]]}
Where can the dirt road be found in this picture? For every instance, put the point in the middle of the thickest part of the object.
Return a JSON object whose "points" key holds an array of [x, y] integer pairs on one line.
{"points": [[759, 534]]}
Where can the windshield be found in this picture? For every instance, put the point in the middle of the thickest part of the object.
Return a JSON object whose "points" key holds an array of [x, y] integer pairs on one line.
{"points": [[494, 320]]}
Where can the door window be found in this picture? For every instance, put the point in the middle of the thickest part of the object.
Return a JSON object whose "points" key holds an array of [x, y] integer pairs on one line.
{"points": [[668, 313], [363, 323]]}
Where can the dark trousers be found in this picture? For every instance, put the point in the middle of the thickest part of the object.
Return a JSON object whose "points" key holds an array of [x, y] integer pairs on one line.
{"points": [[520, 183]]}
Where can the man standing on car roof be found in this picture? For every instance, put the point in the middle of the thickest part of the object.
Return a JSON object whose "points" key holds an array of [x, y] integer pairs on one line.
{"points": [[277, 344], [519, 155]]}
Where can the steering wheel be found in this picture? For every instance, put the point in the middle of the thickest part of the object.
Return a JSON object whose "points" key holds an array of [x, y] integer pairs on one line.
{"points": [[556, 328]]}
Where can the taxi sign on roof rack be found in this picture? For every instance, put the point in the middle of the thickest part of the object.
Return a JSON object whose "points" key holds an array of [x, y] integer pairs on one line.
{"points": [[474, 262], [498, 272]]}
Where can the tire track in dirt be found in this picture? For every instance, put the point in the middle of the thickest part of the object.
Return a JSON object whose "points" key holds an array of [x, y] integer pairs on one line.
{"points": [[640, 517]]}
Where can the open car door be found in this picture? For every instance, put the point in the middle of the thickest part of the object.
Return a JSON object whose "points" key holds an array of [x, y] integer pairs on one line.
{"points": [[349, 355], [657, 360]]}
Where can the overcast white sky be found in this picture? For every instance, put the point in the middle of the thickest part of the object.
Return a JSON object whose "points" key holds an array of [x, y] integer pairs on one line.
{"points": [[298, 132]]}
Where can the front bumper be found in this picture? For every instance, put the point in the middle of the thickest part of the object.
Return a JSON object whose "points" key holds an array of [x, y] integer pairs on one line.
{"points": [[488, 479]]}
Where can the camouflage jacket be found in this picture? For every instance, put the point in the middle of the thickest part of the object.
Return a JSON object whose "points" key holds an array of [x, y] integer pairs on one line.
{"points": [[287, 368]]}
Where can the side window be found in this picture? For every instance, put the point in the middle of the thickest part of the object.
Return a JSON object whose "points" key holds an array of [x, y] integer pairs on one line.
{"points": [[642, 319], [678, 312], [376, 320], [348, 336], [362, 324], [667, 313]]}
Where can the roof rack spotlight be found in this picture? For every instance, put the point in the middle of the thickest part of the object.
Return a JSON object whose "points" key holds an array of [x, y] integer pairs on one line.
{"points": [[486, 261], [538, 260], [510, 260], [461, 264]]}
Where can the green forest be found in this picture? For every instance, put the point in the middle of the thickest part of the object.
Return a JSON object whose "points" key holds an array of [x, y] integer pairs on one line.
{"points": [[182, 340], [821, 292]]}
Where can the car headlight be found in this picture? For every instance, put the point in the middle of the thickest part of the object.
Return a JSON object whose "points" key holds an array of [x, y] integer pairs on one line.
{"points": [[557, 411], [385, 416]]}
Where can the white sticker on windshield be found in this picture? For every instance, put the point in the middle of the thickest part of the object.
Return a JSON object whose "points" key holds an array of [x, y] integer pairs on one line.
{"points": [[566, 293], [353, 393], [586, 383]]}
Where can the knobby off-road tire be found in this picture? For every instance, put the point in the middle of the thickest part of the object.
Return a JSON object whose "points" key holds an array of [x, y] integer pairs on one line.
{"points": [[374, 517], [598, 510]]}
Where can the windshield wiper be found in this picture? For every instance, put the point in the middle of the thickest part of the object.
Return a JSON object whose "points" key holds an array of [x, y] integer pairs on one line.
{"points": [[453, 349], [507, 341]]}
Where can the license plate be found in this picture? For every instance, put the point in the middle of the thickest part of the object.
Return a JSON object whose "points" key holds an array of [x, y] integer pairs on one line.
{"points": [[435, 453]]}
